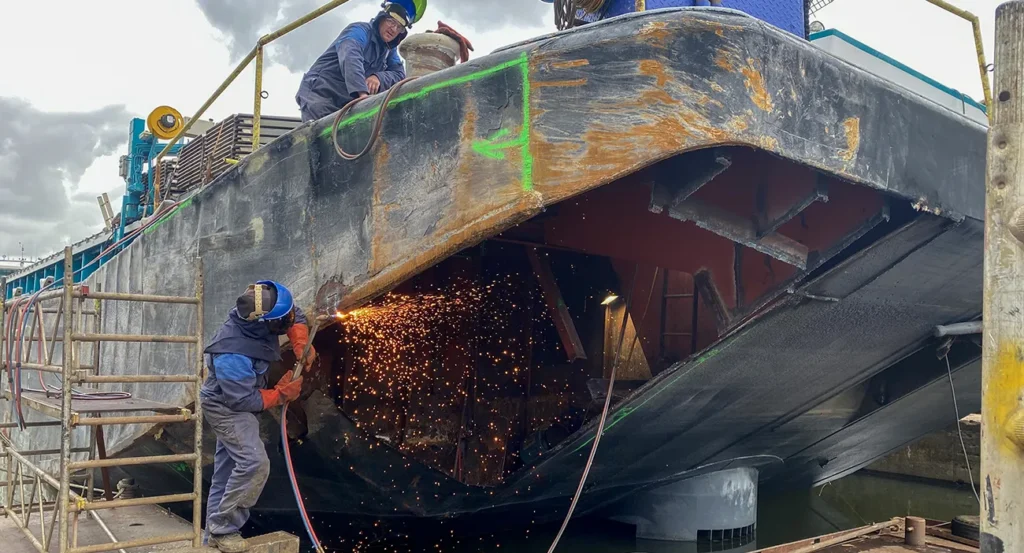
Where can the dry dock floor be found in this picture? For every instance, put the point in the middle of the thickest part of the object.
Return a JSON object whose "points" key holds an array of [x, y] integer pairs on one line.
{"points": [[132, 523]]}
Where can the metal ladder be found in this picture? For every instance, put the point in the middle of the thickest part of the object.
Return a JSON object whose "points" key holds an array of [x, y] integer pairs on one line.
{"points": [[68, 412]]}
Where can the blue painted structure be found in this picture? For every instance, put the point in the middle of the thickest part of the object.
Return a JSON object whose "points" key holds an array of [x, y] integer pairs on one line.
{"points": [[54, 267], [143, 147], [788, 15]]}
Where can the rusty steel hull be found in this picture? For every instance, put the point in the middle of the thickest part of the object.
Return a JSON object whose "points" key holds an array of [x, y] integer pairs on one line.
{"points": [[470, 152]]}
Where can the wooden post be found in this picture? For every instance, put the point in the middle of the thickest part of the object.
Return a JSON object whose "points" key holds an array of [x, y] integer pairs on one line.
{"points": [[1002, 444]]}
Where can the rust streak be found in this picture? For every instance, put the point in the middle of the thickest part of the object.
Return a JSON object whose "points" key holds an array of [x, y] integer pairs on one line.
{"points": [[755, 85], [570, 64], [568, 82], [379, 209]]}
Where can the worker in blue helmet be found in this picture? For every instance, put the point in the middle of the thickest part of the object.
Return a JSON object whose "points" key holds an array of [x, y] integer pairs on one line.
{"points": [[363, 60], [238, 361]]}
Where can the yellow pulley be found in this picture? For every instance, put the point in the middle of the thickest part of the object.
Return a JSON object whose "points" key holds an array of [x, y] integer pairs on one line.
{"points": [[164, 122]]}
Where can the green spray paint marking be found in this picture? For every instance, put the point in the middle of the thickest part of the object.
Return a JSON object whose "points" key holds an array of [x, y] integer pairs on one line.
{"points": [[489, 147], [475, 76], [164, 219], [484, 147], [525, 132], [621, 414]]}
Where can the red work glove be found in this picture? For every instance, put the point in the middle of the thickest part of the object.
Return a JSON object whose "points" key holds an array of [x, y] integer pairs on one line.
{"points": [[285, 390], [465, 46], [298, 334]]}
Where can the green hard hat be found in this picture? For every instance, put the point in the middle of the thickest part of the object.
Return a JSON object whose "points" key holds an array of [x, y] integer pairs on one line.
{"points": [[414, 8], [420, 7]]}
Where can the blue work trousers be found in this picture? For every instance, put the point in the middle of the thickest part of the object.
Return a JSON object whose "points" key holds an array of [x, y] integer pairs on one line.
{"points": [[240, 468]]}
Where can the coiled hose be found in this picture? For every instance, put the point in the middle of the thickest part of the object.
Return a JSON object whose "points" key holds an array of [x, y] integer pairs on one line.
{"points": [[566, 10], [378, 122]]}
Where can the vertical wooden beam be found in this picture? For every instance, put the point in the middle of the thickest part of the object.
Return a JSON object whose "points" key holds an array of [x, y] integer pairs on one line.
{"points": [[556, 306], [1002, 438]]}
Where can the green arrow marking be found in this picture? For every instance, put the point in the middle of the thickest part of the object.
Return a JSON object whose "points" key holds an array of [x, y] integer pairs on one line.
{"points": [[491, 148]]}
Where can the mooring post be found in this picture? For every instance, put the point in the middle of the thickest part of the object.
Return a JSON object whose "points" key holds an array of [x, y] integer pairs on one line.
{"points": [[1002, 448]]}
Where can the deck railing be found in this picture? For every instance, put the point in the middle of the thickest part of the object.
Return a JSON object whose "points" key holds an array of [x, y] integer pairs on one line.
{"points": [[257, 54]]}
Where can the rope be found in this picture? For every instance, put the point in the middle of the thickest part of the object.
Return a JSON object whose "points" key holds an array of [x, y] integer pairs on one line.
{"points": [[378, 122], [608, 395], [956, 410], [565, 14]]}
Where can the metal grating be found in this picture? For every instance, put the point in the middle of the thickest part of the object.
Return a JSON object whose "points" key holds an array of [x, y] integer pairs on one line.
{"points": [[817, 5]]}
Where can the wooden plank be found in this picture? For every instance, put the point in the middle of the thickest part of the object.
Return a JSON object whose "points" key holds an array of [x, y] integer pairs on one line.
{"points": [[1002, 436]]}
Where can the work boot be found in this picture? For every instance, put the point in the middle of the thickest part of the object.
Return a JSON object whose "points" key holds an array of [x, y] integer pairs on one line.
{"points": [[229, 543]]}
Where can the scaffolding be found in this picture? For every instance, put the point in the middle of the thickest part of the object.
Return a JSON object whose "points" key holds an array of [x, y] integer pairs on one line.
{"points": [[78, 402]]}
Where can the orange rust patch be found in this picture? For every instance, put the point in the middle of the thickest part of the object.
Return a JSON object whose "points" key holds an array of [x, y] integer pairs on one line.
{"points": [[851, 128], [570, 82], [606, 152], [654, 68], [466, 155], [738, 124], [656, 96], [487, 219], [723, 59], [570, 64], [657, 30], [769, 143], [756, 87]]}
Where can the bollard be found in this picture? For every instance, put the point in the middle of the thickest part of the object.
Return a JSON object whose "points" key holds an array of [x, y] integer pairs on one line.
{"points": [[1002, 444], [426, 53], [914, 531]]}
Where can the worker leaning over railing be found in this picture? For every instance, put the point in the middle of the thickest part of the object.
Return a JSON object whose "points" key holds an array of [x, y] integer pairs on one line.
{"points": [[363, 60], [240, 356]]}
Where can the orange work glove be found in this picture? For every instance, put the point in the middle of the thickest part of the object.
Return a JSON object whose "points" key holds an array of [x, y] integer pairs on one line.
{"points": [[465, 46], [298, 335], [285, 390]]}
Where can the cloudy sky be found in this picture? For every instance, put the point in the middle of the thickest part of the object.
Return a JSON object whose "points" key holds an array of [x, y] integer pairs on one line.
{"points": [[73, 73]]}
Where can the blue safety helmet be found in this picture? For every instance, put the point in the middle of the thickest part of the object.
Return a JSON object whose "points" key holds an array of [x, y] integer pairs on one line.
{"points": [[284, 304]]}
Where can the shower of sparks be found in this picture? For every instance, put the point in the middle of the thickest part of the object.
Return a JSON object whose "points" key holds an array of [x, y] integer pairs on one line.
{"points": [[421, 368]]}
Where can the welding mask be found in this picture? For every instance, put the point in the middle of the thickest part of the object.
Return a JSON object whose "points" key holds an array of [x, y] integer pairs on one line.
{"points": [[270, 302]]}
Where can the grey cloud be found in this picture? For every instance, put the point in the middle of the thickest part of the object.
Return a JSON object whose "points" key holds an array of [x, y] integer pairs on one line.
{"points": [[39, 153], [488, 14], [240, 20], [243, 21]]}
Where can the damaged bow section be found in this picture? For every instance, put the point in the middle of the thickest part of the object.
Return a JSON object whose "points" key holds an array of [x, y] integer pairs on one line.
{"points": [[740, 203]]}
